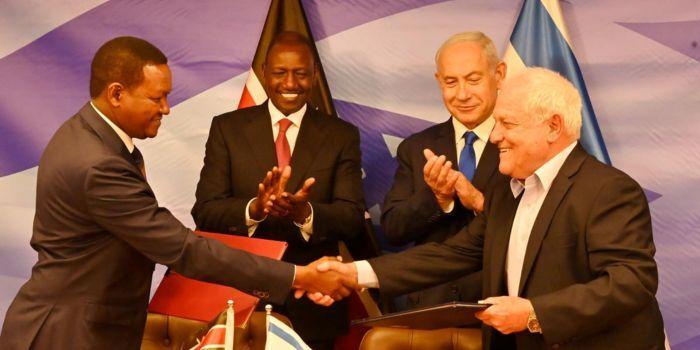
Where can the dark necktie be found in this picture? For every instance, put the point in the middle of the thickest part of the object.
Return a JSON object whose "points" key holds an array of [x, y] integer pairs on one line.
{"points": [[467, 159], [284, 153], [137, 157]]}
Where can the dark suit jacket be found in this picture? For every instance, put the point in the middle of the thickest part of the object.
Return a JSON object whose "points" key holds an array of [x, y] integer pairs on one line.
{"points": [[411, 213], [589, 268], [239, 152], [98, 231]]}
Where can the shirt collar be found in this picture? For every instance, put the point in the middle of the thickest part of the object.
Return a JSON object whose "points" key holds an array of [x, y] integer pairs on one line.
{"points": [[482, 131], [276, 115], [128, 142], [545, 174]]}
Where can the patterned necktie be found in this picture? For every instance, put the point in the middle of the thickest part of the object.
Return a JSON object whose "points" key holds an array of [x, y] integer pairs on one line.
{"points": [[138, 161], [284, 153], [467, 159]]}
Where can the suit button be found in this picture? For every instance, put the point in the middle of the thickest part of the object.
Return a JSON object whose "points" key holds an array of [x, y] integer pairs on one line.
{"points": [[166, 342]]}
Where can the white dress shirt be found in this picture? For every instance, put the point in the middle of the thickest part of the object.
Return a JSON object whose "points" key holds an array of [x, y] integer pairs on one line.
{"points": [[305, 229], [128, 142], [536, 187]]}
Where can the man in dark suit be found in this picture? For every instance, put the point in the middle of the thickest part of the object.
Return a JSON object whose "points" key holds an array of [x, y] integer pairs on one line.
{"points": [[319, 204], [565, 241], [98, 229], [421, 206]]}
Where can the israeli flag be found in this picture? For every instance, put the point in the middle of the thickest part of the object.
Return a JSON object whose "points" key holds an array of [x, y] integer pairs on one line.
{"points": [[282, 337], [540, 39]]}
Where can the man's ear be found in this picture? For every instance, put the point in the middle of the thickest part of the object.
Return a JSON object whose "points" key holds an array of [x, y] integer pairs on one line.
{"points": [[555, 128], [500, 73], [115, 92]]}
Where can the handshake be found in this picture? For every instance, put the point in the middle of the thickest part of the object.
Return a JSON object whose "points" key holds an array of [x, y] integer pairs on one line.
{"points": [[325, 280]]}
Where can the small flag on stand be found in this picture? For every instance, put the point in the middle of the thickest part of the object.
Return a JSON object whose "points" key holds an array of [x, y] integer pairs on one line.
{"points": [[220, 333], [280, 336]]}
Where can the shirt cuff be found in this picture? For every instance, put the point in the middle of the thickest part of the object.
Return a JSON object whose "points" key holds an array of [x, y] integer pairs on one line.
{"points": [[251, 223], [307, 228], [366, 277]]}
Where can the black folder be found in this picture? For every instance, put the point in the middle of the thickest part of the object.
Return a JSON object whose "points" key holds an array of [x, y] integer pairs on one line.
{"points": [[454, 314]]}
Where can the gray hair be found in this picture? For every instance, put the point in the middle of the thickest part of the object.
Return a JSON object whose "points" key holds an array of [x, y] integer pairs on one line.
{"points": [[544, 93], [477, 37]]}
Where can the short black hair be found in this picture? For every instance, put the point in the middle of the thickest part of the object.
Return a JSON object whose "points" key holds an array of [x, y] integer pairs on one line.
{"points": [[291, 38], [122, 60]]}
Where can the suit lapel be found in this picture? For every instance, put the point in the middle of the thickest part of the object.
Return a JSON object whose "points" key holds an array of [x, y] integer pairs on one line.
{"points": [[312, 134], [108, 136], [560, 186], [445, 143], [258, 129], [487, 166]]}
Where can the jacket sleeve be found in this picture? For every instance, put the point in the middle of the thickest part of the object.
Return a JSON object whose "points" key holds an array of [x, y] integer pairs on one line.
{"points": [[432, 263], [410, 209], [621, 260], [123, 204]]}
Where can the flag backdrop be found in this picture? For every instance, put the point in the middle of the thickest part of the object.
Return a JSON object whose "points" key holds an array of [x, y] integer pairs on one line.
{"points": [[540, 39], [284, 15], [640, 64]]}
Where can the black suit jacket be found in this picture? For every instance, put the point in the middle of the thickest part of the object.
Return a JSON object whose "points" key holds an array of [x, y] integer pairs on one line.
{"points": [[589, 267], [239, 152], [98, 230], [411, 213]]}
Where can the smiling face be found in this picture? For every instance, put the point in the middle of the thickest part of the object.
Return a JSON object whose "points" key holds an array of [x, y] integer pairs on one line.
{"points": [[469, 85], [538, 115], [521, 141], [288, 76], [142, 107]]}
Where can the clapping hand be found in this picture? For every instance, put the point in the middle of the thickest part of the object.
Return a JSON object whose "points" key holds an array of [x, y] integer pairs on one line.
{"points": [[295, 206], [269, 190], [445, 182], [440, 178]]}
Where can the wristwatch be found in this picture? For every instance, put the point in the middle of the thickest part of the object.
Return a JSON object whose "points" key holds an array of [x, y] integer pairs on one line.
{"points": [[533, 325]]}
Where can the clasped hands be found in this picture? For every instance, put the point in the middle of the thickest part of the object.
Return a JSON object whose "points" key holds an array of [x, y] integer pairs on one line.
{"points": [[325, 280], [272, 199], [445, 182]]}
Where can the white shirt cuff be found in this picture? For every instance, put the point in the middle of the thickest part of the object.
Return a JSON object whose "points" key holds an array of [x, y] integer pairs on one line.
{"points": [[251, 223], [366, 277], [307, 228]]}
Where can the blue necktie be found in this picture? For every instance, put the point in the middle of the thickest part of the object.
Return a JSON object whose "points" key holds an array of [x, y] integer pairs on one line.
{"points": [[467, 159]]}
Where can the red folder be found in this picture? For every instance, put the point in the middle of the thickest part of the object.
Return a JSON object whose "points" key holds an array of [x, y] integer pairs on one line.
{"points": [[184, 297]]}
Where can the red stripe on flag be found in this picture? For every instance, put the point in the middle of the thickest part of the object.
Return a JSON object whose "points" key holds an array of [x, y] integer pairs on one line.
{"points": [[246, 99], [215, 336]]}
